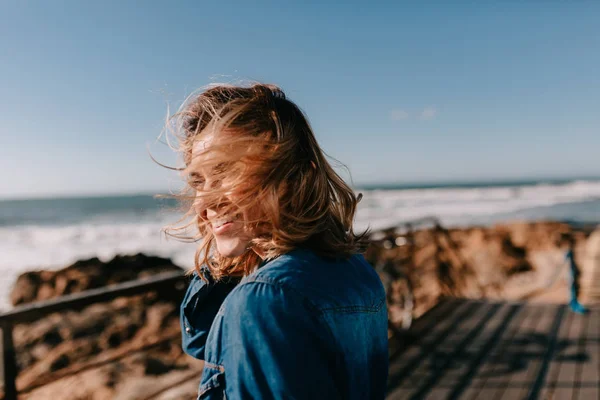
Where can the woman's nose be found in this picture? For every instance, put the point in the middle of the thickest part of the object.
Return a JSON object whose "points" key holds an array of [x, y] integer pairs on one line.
{"points": [[210, 213]]}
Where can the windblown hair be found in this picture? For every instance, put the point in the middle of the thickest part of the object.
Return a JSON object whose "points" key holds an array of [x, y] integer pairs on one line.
{"points": [[264, 163]]}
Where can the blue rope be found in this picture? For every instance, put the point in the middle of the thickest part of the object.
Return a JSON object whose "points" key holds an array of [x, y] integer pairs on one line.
{"points": [[575, 305]]}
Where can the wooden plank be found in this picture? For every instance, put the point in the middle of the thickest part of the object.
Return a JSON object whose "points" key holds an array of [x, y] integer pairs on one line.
{"points": [[464, 369], [518, 356], [440, 355], [445, 359], [432, 317], [494, 363], [457, 365], [400, 341], [418, 351], [541, 365], [549, 354], [547, 391], [589, 386], [399, 387], [421, 339], [567, 381], [535, 337], [451, 353], [541, 351], [496, 332], [510, 360]]}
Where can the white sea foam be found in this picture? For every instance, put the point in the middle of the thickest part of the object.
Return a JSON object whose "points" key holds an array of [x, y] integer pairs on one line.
{"points": [[35, 246], [453, 206], [24, 248]]}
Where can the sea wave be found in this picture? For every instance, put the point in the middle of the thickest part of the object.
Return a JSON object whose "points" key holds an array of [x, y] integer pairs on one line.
{"points": [[33, 247], [460, 206]]}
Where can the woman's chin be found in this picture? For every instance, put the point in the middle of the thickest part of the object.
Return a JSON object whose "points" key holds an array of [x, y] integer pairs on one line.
{"points": [[230, 247]]}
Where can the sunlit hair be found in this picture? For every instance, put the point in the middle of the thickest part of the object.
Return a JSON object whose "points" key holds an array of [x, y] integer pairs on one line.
{"points": [[264, 163]]}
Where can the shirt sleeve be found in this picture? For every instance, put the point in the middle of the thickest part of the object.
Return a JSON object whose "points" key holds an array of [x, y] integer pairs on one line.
{"points": [[276, 346]]}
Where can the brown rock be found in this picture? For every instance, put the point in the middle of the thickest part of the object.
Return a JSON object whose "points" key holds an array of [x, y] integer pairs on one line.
{"points": [[26, 288], [40, 351], [60, 362], [45, 292], [153, 365], [157, 316], [86, 274]]}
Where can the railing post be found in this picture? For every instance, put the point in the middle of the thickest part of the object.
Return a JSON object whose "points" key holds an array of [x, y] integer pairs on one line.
{"points": [[10, 362], [31, 312]]}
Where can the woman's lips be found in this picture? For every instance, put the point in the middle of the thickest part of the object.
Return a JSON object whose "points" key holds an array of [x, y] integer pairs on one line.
{"points": [[223, 228]]}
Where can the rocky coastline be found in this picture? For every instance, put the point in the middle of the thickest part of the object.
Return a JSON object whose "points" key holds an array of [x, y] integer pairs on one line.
{"points": [[130, 347]]}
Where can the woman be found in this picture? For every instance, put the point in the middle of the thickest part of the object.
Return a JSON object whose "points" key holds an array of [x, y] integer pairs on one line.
{"points": [[281, 305]]}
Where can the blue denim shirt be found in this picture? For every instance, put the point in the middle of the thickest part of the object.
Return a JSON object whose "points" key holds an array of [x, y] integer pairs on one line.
{"points": [[300, 327]]}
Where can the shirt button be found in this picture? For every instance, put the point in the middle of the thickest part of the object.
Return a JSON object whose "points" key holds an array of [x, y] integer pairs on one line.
{"points": [[187, 329]]}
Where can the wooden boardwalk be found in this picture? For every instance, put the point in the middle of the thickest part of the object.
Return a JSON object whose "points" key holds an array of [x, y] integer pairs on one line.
{"points": [[465, 349]]}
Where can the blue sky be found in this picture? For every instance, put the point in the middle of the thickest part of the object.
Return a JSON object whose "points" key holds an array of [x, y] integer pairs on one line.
{"points": [[400, 92]]}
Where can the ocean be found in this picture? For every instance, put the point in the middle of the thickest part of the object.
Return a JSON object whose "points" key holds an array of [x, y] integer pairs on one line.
{"points": [[52, 233]]}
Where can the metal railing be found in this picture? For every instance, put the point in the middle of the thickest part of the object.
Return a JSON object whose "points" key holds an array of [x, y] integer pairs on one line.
{"points": [[77, 301]]}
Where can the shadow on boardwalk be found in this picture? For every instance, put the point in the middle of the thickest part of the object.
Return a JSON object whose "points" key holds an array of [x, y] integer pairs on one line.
{"points": [[466, 349]]}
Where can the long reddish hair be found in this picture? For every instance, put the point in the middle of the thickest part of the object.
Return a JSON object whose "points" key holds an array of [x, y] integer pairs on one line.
{"points": [[265, 157]]}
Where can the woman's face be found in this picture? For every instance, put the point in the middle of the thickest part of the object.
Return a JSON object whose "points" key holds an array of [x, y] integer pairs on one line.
{"points": [[231, 231]]}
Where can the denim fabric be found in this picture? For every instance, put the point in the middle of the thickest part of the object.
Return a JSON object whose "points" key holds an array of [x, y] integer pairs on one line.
{"points": [[300, 327], [198, 309]]}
